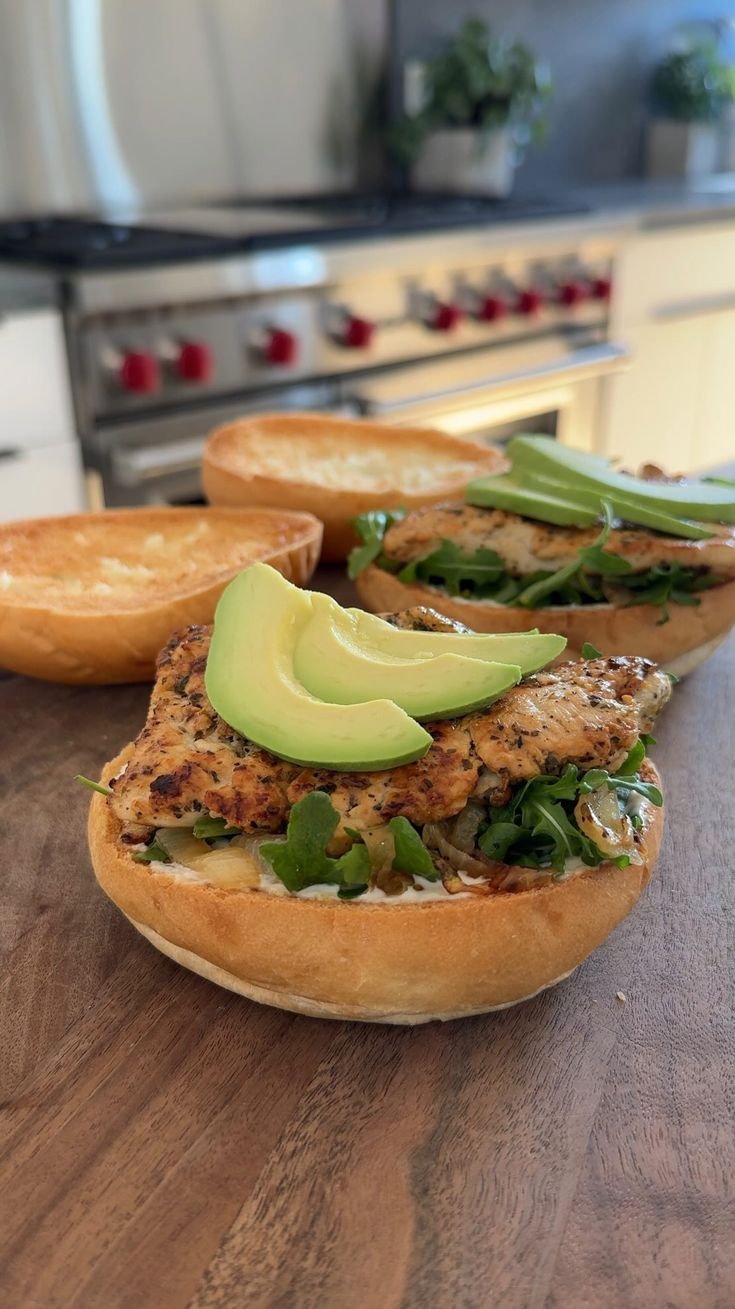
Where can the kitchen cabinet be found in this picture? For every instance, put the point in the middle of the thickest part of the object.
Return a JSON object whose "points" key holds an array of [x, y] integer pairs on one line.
{"points": [[40, 457], [42, 480], [675, 309]]}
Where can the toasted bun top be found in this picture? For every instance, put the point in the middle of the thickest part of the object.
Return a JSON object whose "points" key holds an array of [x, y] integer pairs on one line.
{"points": [[348, 455], [139, 559]]}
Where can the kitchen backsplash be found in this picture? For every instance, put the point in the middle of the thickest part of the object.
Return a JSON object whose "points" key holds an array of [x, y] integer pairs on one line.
{"points": [[600, 53]]}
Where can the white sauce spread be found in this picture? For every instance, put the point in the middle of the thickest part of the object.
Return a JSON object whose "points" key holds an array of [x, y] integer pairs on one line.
{"points": [[271, 885]]}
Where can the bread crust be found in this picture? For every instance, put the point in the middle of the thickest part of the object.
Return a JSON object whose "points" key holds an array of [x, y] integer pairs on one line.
{"points": [[614, 629], [382, 963], [232, 474], [53, 634]]}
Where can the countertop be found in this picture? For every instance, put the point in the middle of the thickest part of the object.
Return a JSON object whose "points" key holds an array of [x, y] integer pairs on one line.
{"points": [[169, 1145], [640, 204]]}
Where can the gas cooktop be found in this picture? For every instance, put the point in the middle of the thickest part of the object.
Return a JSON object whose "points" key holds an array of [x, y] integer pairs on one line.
{"points": [[208, 231]]}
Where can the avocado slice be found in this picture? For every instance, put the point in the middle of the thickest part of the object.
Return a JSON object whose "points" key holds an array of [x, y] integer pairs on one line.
{"points": [[621, 505], [251, 684], [331, 662], [530, 650], [708, 501], [507, 492]]}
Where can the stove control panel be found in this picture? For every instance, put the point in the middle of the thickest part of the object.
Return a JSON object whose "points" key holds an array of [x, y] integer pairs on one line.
{"points": [[363, 313]]}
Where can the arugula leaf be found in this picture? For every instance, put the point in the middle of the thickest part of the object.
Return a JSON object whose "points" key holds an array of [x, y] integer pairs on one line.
{"points": [[498, 838], [589, 651], [92, 786], [668, 582], [208, 829], [411, 854], [572, 581], [633, 759], [301, 860], [537, 828], [450, 567], [152, 852], [597, 560], [371, 529]]}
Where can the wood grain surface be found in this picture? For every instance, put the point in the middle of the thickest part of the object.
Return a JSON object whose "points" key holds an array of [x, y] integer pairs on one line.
{"points": [[167, 1145]]}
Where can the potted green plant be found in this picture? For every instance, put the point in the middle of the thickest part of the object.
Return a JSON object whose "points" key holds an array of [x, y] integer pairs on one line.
{"points": [[481, 99], [692, 89]]}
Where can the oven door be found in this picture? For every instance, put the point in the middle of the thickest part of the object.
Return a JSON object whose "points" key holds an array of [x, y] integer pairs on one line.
{"points": [[538, 386]]}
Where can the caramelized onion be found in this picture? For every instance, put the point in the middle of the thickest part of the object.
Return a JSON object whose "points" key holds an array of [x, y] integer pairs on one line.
{"points": [[464, 828], [381, 847], [437, 836], [600, 817]]}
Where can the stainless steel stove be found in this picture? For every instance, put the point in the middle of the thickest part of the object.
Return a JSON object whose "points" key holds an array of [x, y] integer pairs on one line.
{"points": [[478, 316]]}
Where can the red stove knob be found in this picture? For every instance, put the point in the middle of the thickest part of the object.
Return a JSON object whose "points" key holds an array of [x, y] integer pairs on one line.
{"points": [[445, 316], [529, 302], [572, 293], [357, 333], [140, 372], [194, 362], [491, 308], [280, 347], [602, 288]]}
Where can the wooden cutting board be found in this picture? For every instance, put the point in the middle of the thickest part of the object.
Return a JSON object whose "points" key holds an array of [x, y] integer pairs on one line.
{"points": [[167, 1144]]}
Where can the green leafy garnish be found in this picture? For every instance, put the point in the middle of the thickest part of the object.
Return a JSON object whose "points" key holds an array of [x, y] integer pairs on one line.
{"points": [[208, 829], [301, 860], [371, 528], [589, 651], [450, 567], [152, 852], [537, 828], [666, 583], [92, 786], [574, 577], [673, 679], [411, 854], [592, 577]]}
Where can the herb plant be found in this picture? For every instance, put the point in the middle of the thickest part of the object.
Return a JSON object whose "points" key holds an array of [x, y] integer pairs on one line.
{"points": [[694, 85], [480, 82]]}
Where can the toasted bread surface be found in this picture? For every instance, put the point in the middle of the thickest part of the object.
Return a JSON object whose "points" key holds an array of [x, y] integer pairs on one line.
{"points": [[337, 468], [93, 597]]}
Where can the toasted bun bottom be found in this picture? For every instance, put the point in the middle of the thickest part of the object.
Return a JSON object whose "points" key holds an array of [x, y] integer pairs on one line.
{"points": [[692, 631], [382, 963]]}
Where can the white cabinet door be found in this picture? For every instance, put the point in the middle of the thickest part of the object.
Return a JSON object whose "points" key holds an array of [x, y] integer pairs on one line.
{"points": [[35, 401], [653, 410], [675, 308], [714, 423], [40, 481]]}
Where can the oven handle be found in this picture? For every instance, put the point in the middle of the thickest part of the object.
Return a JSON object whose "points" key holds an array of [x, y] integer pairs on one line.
{"points": [[141, 464], [592, 361]]}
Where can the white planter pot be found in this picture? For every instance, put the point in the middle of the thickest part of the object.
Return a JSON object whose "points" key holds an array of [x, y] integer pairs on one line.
{"points": [[675, 149], [466, 162]]}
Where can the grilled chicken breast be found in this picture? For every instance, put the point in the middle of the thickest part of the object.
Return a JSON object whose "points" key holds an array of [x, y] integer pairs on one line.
{"points": [[187, 761], [527, 546]]}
